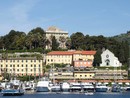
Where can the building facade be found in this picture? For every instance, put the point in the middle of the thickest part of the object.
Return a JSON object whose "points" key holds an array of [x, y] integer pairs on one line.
{"points": [[21, 66], [83, 64], [60, 35], [84, 75], [68, 57], [109, 59], [111, 74]]}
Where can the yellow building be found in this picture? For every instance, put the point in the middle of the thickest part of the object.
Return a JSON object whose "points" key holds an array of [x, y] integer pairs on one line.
{"points": [[22, 66], [84, 75], [67, 57]]}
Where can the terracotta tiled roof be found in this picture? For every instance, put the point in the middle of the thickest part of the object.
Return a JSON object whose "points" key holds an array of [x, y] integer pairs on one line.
{"points": [[60, 53], [72, 52], [89, 52]]}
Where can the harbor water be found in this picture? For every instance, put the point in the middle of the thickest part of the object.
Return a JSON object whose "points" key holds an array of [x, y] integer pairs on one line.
{"points": [[65, 95]]}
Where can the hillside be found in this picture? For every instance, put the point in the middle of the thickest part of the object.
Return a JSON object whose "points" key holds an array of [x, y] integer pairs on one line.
{"points": [[123, 37]]}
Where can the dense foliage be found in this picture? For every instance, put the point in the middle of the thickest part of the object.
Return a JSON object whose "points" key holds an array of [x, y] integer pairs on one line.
{"points": [[98, 43], [35, 40]]}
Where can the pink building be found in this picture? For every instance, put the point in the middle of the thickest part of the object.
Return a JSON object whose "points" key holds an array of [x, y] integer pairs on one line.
{"points": [[81, 63]]}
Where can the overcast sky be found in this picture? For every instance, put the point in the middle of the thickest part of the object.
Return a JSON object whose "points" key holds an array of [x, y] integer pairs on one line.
{"points": [[93, 17]]}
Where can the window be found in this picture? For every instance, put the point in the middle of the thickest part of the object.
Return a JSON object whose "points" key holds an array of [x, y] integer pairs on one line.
{"points": [[26, 65], [80, 75], [34, 65], [6, 65], [10, 65], [17, 60], [31, 65], [26, 60], [107, 56], [13, 65], [17, 69], [22, 65], [17, 65]]}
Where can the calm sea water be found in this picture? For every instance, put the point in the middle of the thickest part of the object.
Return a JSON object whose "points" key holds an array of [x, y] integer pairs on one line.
{"points": [[48, 95]]}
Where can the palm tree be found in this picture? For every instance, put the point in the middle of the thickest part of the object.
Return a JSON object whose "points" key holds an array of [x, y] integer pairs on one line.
{"points": [[28, 41]]}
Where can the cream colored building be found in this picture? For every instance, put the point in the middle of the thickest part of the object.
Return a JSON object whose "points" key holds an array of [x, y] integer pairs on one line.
{"points": [[61, 75], [84, 74], [111, 74], [22, 66], [67, 57], [54, 31]]}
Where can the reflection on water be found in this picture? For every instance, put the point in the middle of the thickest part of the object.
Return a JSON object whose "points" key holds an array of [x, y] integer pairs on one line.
{"points": [[70, 95]]}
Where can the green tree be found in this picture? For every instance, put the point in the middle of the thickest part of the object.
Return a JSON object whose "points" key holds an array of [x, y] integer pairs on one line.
{"points": [[97, 58], [68, 43], [77, 40], [11, 40], [1, 43], [37, 38], [28, 41], [55, 44]]}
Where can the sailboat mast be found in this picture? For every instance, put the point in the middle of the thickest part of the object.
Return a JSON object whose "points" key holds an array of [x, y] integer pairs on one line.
{"points": [[53, 79]]}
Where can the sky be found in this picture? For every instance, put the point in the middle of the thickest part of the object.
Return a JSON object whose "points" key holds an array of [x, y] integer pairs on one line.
{"points": [[91, 17]]}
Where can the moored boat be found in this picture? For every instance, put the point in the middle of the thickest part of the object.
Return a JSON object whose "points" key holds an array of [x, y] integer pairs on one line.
{"points": [[101, 87], [75, 87], [89, 87], [12, 92], [13, 88], [43, 85], [55, 88], [65, 87], [116, 88]]}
